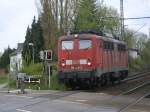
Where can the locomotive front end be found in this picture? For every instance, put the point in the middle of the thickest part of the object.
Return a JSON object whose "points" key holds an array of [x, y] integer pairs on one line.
{"points": [[75, 58]]}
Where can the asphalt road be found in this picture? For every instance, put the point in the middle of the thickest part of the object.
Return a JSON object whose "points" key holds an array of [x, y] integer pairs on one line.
{"points": [[71, 101]]}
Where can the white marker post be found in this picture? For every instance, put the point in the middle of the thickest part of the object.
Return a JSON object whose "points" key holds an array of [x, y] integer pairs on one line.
{"points": [[49, 75]]}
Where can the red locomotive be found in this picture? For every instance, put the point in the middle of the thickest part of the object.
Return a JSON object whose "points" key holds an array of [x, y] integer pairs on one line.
{"points": [[90, 59]]}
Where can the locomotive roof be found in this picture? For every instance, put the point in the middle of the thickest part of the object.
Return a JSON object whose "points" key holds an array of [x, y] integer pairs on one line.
{"points": [[111, 39], [87, 36]]}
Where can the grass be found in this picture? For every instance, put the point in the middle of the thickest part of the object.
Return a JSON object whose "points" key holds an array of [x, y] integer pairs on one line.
{"points": [[55, 85], [33, 69], [3, 79]]}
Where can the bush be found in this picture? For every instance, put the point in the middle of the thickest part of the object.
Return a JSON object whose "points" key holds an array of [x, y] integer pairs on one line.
{"points": [[136, 65], [33, 69], [55, 83]]}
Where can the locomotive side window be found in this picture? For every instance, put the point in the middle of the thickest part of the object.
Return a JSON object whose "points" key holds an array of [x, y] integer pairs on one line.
{"points": [[111, 46], [108, 46], [67, 45], [85, 44], [105, 45], [121, 47]]}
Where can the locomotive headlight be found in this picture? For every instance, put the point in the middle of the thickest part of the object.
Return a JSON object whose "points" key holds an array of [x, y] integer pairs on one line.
{"points": [[89, 63], [62, 64]]}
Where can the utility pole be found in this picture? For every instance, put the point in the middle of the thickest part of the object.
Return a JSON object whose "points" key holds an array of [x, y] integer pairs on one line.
{"points": [[149, 33], [31, 44], [122, 20]]}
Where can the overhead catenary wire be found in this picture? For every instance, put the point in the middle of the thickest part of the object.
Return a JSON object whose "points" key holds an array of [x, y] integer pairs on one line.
{"points": [[139, 29], [130, 18]]}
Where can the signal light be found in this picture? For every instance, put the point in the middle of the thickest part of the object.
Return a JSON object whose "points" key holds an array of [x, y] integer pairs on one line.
{"points": [[48, 55]]}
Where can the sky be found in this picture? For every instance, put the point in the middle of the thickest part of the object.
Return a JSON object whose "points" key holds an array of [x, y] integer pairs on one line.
{"points": [[16, 15]]}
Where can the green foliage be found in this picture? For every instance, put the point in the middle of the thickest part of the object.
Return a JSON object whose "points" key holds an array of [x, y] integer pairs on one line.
{"points": [[93, 16], [86, 15], [3, 79], [37, 69], [5, 59], [33, 35], [145, 55], [33, 69], [13, 84], [136, 65], [143, 61], [55, 85], [110, 25], [141, 41], [130, 38]]}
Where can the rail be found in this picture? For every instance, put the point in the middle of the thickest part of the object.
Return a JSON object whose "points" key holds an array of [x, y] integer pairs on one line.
{"points": [[138, 75], [128, 106]]}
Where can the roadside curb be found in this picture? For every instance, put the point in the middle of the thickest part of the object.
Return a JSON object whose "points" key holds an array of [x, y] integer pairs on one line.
{"points": [[17, 91]]}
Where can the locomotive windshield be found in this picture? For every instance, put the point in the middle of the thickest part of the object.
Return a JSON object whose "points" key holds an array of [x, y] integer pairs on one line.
{"points": [[85, 44], [67, 45]]}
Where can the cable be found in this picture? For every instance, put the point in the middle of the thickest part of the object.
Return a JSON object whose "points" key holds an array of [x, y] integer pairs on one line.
{"points": [[139, 29], [148, 17]]}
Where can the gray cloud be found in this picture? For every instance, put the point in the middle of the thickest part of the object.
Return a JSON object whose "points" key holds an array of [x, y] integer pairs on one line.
{"points": [[15, 16]]}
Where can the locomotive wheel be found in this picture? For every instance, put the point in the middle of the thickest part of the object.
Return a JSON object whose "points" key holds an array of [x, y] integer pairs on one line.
{"points": [[122, 75], [103, 80], [112, 79], [73, 85], [119, 79]]}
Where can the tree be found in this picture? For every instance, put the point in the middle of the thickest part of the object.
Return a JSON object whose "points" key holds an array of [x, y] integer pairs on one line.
{"points": [[91, 15], [86, 17], [145, 55], [5, 58], [56, 18], [141, 41], [130, 38], [137, 40], [109, 25], [33, 35], [49, 23], [37, 36]]}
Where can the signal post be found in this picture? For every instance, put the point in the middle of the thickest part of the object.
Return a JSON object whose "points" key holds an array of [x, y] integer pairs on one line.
{"points": [[46, 56]]}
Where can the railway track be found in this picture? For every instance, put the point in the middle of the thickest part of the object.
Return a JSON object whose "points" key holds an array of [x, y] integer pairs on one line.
{"points": [[132, 91], [127, 92], [137, 100], [134, 103], [136, 76], [125, 85]]}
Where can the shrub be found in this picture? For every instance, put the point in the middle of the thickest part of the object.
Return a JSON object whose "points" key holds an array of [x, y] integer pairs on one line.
{"points": [[33, 69], [55, 83]]}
